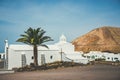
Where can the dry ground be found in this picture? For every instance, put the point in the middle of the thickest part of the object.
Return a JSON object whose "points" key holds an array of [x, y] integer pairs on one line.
{"points": [[91, 72]]}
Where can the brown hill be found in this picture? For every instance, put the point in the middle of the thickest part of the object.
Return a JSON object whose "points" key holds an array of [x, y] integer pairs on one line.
{"points": [[100, 39]]}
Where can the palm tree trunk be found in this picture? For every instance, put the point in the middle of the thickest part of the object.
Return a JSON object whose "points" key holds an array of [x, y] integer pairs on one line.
{"points": [[35, 55]]}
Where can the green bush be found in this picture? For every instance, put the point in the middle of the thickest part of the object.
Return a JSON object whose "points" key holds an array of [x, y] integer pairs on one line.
{"points": [[100, 59]]}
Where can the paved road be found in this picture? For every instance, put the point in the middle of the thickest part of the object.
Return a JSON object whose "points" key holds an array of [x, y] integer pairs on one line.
{"points": [[91, 72]]}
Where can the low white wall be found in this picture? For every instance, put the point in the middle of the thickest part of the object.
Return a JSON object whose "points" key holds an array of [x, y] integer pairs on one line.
{"points": [[15, 57]]}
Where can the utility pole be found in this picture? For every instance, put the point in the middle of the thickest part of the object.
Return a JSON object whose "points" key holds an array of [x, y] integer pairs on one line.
{"points": [[61, 54]]}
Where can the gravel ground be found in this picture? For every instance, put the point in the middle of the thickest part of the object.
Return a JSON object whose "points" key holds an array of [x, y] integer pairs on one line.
{"points": [[90, 72]]}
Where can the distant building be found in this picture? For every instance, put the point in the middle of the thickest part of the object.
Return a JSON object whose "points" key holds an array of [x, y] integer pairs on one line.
{"points": [[94, 55]]}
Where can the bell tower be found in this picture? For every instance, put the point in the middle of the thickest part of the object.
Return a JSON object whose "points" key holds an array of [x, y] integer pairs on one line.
{"points": [[6, 55], [63, 38], [6, 47]]}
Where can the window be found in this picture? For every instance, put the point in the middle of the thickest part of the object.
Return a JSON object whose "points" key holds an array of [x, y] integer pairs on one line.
{"points": [[32, 57], [23, 58], [116, 58], [112, 58], [51, 57], [42, 59], [0, 56]]}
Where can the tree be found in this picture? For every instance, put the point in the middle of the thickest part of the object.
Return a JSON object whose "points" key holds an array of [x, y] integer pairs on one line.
{"points": [[35, 37]]}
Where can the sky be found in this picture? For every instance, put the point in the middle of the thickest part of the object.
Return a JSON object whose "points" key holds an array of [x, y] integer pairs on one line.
{"points": [[73, 18]]}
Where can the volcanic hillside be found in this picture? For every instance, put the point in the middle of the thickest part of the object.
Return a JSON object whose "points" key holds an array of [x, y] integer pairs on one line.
{"points": [[106, 39]]}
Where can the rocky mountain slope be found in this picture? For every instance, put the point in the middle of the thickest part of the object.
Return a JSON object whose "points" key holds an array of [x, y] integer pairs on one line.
{"points": [[100, 39]]}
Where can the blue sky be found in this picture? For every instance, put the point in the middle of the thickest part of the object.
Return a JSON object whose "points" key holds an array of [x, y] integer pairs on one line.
{"points": [[70, 17]]}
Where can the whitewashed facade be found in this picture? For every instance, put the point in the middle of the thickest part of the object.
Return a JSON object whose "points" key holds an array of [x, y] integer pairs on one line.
{"points": [[21, 55], [16, 52], [92, 55], [112, 57], [68, 52]]}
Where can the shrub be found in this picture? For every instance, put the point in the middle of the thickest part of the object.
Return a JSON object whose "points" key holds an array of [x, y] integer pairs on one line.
{"points": [[54, 65], [100, 59]]}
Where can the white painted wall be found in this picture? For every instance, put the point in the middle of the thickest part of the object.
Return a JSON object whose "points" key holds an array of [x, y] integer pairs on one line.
{"points": [[52, 56], [67, 48], [111, 56], [103, 55], [75, 57], [15, 57]]}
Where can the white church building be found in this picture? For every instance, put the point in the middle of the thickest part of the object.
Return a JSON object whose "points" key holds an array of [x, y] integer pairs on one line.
{"points": [[17, 55]]}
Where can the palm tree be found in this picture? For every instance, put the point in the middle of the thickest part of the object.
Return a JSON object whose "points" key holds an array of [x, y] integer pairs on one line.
{"points": [[35, 37]]}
